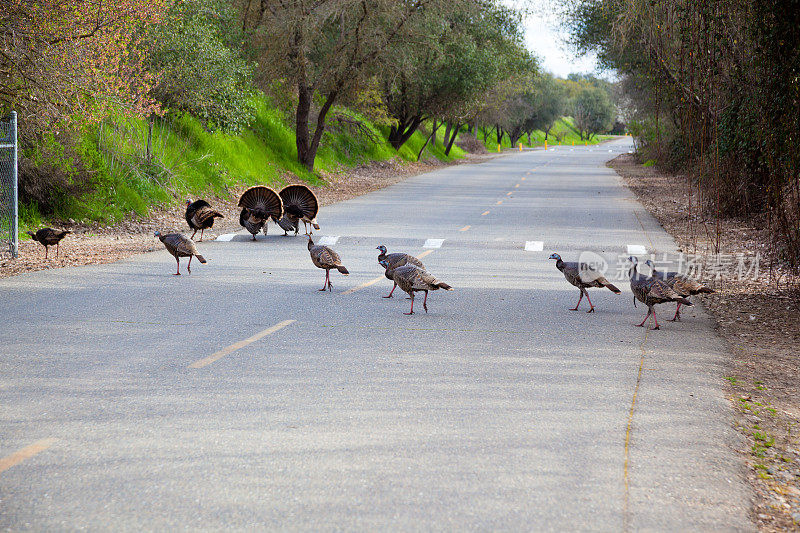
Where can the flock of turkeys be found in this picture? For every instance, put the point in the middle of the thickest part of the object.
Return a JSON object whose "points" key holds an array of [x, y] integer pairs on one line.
{"points": [[658, 288], [288, 208], [297, 203]]}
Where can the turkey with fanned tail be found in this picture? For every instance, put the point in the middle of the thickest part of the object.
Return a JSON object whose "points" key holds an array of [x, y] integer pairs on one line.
{"points": [[299, 204], [259, 204]]}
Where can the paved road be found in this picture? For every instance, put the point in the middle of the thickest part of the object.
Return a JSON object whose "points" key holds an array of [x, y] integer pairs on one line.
{"points": [[500, 409]]}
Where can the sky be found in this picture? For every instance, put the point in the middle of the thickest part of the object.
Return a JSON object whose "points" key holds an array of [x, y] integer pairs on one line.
{"points": [[547, 40]]}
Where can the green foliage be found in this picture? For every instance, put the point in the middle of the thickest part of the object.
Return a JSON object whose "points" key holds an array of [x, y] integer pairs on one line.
{"points": [[718, 84], [594, 112], [199, 68], [189, 160]]}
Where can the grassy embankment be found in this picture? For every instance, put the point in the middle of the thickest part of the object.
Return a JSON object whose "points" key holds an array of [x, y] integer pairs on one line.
{"points": [[187, 160]]}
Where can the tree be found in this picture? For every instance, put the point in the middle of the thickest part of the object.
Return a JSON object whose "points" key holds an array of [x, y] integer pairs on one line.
{"points": [[445, 76], [594, 112], [548, 100], [63, 62], [327, 49], [196, 53]]}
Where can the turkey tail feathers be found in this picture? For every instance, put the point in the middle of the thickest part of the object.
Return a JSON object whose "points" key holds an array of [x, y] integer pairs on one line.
{"points": [[262, 202], [302, 199], [613, 288], [342, 269], [444, 286], [201, 258]]}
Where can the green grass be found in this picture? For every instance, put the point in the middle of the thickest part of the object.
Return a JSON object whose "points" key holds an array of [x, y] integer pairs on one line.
{"points": [[188, 160]]}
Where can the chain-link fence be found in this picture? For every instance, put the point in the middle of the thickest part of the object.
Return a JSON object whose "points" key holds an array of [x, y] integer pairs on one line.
{"points": [[9, 216]]}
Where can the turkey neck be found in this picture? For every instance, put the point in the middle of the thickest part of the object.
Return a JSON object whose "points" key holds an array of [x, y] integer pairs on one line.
{"points": [[382, 256], [560, 264]]}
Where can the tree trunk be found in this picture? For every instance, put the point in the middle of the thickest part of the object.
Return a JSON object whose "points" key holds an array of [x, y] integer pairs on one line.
{"points": [[301, 122], [447, 129], [398, 135], [529, 138], [485, 133], [307, 148], [433, 134], [546, 132], [499, 134], [452, 139]]}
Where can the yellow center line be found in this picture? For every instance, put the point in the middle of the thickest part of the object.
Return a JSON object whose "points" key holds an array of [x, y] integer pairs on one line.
{"points": [[509, 193], [25, 453], [364, 285], [516, 186], [484, 213], [465, 228], [216, 356], [499, 202], [426, 253], [522, 178]]}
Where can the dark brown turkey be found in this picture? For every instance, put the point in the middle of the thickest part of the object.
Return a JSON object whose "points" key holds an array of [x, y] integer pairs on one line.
{"points": [[651, 291], [299, 204], [583, 276], [411, 279], [324, 257], [48, 237], [683, 285], [396, 260], [200, 216], [179, 245], [259, 204]]}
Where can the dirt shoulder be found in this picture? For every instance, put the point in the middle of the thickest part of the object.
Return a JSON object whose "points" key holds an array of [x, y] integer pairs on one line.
{"points": [[97, 244], [758, 317]]}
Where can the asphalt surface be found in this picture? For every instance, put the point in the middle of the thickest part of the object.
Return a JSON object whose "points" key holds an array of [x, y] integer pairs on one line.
{"points": [[499, 409]]}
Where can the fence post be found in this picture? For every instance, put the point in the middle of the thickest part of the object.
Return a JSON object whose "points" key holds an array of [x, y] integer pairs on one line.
{"points": [[14, 193]]}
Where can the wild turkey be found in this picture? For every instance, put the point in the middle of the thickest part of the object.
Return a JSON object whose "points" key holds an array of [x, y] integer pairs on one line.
{"points": [[48, 237], [299, 204], [411, 278], [200, 216], [683, 285], [583, 276], [179, 245], [288, 224], [259, 204], [324, 257], [651, 291], [396, 260]]}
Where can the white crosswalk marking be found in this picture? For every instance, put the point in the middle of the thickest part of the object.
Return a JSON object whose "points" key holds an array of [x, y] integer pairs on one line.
{"points": [[433, 243], [329, 240]]}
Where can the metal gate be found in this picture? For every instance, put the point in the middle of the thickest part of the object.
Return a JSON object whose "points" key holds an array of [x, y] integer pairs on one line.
{"points": [[9, 214]]}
